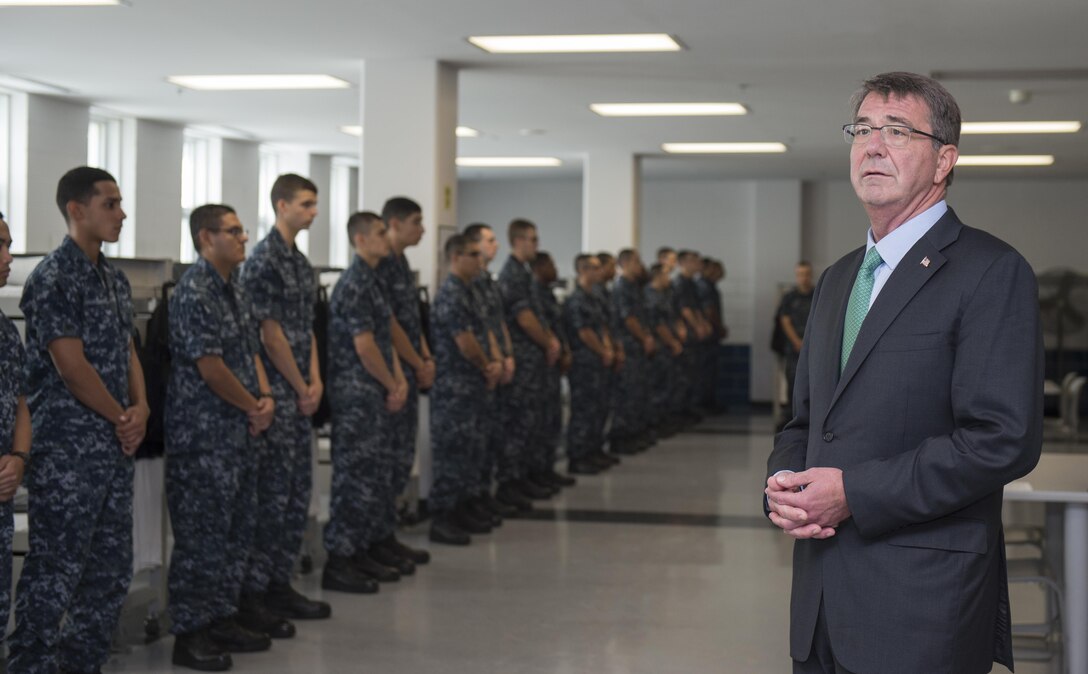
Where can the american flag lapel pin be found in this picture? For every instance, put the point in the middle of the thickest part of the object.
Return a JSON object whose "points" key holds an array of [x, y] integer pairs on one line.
{"points": [[925, 262]]}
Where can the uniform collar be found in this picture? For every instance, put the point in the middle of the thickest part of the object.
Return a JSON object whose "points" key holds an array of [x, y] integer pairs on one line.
{"points": [[895, 246]]}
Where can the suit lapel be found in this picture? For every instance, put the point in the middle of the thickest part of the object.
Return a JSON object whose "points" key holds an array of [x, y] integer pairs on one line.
{"points": [[908, 278]]}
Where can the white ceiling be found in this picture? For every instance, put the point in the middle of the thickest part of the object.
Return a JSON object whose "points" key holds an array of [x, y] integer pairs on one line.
{"points": [[794, 63]]}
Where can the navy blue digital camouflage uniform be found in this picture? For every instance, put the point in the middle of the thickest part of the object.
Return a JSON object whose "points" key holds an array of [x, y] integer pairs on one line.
{"points": [[588, 377], [521, 403], [12, 380], [489, 302], [80, 485], [398, 283], [280, 283], [630, 397], [211, 459], [363, 453], [552, 404], [458, 435], [685, 296], [710, 300], [663, 366]]}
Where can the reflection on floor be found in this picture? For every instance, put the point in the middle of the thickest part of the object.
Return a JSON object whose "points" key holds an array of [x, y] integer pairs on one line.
{"points": [[664, 565]]}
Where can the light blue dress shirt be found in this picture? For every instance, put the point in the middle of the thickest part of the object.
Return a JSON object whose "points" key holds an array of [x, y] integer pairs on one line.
{"points": [[894, 247]]}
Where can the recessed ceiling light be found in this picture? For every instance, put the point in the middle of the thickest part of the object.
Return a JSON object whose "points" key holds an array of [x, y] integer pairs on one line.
{"points": [[1019, 127], [667, 109], [508, 162], [1005, 160], [257, 82], [462, 131], [61, 3], [568, 44], [723, 148]]}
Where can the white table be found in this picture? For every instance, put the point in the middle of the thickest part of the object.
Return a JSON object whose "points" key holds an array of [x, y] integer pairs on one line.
{"points": [[1062, 479]]}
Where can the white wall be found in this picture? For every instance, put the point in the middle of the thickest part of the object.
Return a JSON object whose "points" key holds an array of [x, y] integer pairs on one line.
{"points": [[56, 142], [555, 205], [321, 174], [1046, 220]]}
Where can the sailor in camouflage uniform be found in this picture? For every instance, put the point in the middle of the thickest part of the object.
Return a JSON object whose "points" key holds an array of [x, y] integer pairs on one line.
{"points": [[281, 286], [686, 297], [663, 368], [535, 349], [602, 292], [89, 408], [629, 433], [403, 219], [14, 426], [367, 390], [586, 326], [471, 364], [217, 404], [544, 276], [489, 301]]}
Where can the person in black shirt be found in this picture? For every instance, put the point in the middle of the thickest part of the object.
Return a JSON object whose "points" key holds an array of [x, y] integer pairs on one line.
{"points": [[792, 317]]}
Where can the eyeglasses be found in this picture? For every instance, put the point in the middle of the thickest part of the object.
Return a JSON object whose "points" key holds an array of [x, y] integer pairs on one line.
{"points": [[894, 135], [236, 232]]}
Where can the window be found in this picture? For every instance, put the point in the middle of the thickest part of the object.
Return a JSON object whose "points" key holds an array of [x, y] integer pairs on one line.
{"points": [[104, 144], [201, 182], [270, 170], [342, 191], [274, 163], [5, 155]]}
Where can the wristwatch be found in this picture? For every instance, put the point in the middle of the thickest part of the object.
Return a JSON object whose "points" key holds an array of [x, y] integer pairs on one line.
{"points": [[24, 457]]}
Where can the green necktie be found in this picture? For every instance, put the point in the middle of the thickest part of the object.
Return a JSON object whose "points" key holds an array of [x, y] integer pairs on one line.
{"points": [[859, 304]]}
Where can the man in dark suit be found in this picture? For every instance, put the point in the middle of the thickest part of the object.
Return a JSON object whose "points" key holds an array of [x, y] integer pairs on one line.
{"points": [[918, 397]]}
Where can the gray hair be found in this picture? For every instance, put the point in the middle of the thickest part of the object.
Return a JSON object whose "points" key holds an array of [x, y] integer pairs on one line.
{"points": [[944, 112]]}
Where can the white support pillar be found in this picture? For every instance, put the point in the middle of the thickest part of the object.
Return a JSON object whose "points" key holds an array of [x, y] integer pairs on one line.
{"points": [[610, 201], [776, 251], [321, 229], [409, 147]]}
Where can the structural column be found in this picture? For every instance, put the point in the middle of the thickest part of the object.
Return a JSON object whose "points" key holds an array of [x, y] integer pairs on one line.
{"points": [[610, 201], [409, 147]]}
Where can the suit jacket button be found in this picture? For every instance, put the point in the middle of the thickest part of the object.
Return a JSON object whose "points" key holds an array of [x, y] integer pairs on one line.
{"points": [[829, 436]]}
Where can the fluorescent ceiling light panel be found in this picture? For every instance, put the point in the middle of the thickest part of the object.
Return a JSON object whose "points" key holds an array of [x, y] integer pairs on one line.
{"points": [[508, 162], [356, 131], [572, 44], [467, 132], [1005, 160], [667, 109], [723, 148], [61, 3], [1019, 127], [257, 82]]}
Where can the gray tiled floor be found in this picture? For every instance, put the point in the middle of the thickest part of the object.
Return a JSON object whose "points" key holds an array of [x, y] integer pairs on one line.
{"points": [[562, 597]]}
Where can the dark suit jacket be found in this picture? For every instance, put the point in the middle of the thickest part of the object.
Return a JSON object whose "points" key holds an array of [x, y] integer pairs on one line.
{"points": [[940, 405]]}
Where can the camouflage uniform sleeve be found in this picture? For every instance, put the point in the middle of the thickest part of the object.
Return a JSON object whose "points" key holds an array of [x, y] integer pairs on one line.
{"points": [[582, 315], [460, 315], [355, 311], [197, 330], [515, 296], [266, 291], [54, 308], [624, 303]]}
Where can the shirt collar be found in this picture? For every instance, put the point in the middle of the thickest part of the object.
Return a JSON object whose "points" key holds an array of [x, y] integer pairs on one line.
{"points": [[895, 246], [207, 268]]}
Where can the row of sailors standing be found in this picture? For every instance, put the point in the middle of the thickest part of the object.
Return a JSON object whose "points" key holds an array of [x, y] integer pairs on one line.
{"points": [[245, 380]]}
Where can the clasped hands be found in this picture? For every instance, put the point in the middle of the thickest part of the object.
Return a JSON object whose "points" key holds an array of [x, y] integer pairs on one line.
{"points": [[131, 428], [809, 504]]}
